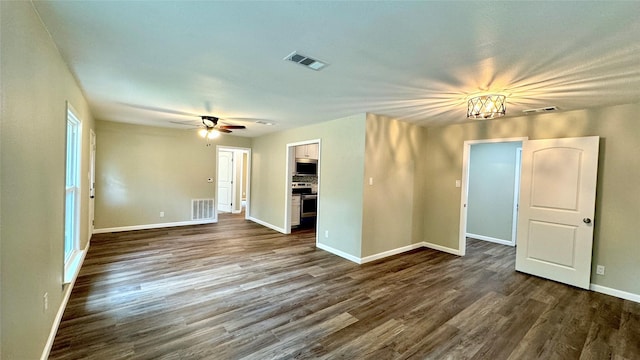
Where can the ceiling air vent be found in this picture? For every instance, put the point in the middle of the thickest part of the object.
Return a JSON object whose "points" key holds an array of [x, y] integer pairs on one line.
{"points": [[264, 122], [539, 110], [306, 61]]}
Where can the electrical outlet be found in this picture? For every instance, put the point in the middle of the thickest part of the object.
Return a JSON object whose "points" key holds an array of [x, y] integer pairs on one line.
{"points": [[45, 301], [161, 213], [326, 234], [600, 269]]}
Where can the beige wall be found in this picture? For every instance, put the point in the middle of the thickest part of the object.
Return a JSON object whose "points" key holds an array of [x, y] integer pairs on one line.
{"points": [[341, 174], [144, 170], [392, 206], [618, 199], [36, 84]]}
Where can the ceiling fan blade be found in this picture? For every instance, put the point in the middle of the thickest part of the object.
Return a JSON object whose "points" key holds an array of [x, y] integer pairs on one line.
{"points": [[232, 127], [185, 123], [219, 129], [159, 109]]}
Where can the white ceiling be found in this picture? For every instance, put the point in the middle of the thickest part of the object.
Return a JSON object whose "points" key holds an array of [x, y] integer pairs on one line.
{"points": [[153, 62]]}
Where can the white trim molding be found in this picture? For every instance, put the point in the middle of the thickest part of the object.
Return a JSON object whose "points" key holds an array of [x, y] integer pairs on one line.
{"points": [[615, 292], [442, 248], [385, 254], [491, 239], [392, 252], [153, 226], [63, 305], [464, 187], [340, 253], [266, 224], [593, 287]]}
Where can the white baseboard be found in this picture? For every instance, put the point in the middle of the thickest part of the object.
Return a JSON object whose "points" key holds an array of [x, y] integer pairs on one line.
{"points": [[154, 226], [615, 292], [594, 287], [67, 292], [270, 226], [63, 306], [340, 253], [392, 252], [490, 239], [385, 254], [441, 248]]}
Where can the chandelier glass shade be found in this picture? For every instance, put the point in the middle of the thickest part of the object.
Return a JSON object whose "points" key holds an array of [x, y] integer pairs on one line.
{"points": [[486, 107]]}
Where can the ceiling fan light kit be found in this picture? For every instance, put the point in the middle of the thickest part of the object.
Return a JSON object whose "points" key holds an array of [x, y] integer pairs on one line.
{"points": [[486, 106], [211, 128], [209, 133], [209, 121]]}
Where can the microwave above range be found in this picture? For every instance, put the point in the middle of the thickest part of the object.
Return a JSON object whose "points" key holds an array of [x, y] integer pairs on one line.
{"points": [[306, 167]]}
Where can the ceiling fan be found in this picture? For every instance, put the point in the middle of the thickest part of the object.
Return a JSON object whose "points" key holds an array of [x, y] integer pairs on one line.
{"points": [[212, 130], [211, 123], [211, 127]]}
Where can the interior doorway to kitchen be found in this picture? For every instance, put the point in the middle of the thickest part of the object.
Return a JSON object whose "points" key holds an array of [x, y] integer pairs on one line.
{"points": [[232, 182], [302, 209]]}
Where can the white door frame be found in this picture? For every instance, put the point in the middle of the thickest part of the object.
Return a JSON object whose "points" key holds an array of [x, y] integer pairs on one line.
{"points": [[466, 153], [235, 150], [291, 157], [231, 172], [516, 197], [92, 181]]}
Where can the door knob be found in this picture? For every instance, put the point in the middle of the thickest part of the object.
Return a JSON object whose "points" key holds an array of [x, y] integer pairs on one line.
{"points": [[586, 221]]}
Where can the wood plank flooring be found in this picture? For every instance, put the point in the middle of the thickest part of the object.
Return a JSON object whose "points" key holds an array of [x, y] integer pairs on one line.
{"points": [[237, 290]]}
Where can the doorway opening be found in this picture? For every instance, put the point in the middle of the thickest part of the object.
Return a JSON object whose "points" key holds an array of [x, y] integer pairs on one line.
{"points": [[302, 186], [233, 180], [490, 187]]}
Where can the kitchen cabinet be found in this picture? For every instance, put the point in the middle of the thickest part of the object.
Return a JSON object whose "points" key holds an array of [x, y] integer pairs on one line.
{"points": [[292, 162], [295, 210], [309, 151]]}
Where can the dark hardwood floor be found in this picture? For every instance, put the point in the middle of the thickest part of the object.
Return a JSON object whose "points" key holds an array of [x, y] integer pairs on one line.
{"points": [[237, 290]]}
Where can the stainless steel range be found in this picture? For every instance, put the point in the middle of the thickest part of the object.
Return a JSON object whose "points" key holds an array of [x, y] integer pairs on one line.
{"points": [[308, 198]]}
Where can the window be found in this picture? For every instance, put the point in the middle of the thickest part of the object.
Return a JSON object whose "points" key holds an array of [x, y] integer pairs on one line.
{"points": [[72, 197]]}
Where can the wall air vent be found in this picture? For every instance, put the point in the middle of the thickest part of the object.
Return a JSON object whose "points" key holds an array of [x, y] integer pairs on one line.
{"points": [[306, 61], [539, 110], [202, 209]]}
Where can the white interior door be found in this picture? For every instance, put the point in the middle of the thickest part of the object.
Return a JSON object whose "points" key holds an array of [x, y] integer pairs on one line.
{"points": [[92, 180], [557, 204], [225, 180]]}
